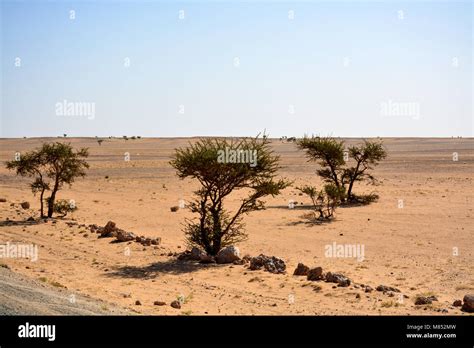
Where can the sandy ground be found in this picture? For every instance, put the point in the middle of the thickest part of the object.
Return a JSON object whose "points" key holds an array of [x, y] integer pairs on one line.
{"points": [[425, 247]]}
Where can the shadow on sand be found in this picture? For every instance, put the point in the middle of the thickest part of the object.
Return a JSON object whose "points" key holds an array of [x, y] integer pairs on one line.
{"points": [[20, 222], [154, 270]]}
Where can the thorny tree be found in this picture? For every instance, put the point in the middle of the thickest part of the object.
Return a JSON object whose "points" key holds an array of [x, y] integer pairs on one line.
{"points": [[329, 153], [217, 227], [51, 166]]}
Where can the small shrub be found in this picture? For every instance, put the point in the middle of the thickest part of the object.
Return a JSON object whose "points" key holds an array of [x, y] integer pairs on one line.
{"points": [[324, 201], [63, 207]]}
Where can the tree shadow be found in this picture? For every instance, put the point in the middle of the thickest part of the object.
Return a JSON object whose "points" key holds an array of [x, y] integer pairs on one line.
{"points": [[296, 207], [20, 222], [310, 221], [154, 270]]}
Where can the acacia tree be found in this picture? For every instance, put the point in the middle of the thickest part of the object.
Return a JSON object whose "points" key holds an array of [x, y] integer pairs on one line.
{"points": [[366, 157], [51, 166], [329, 153], [219, 176]]}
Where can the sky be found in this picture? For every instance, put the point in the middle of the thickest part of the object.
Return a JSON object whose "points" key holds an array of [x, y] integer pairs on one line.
{"points": [[236, 68]]}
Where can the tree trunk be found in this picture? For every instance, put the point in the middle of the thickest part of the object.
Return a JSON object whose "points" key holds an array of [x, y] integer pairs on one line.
{"points": [[351, 183], [42, 203], [52, 199]]}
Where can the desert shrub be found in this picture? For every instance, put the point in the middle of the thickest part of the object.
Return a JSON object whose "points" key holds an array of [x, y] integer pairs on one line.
{"points": [[63, 207], [216, 227], [329, 154], [51, 166], [324, 201]]}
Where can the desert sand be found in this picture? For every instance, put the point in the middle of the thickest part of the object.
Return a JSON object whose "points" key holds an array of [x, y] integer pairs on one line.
{"points": [[424, 247]]}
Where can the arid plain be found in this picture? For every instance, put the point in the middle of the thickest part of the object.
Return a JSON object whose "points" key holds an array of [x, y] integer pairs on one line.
{"points": [[418, 237]]}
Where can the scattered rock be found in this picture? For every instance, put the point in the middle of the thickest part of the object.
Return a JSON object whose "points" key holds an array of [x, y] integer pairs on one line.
{"points": [[468, 305], [368, 288], [228, 255], [457, 303], [358, 296], [174, 209], [385, 288], [424, 300], [25, 205], [123, 236], [301, 270], [338, 278], [159, 303], [271, 264], [176, 304], [315, 274], [109, 230], [138, 303]]}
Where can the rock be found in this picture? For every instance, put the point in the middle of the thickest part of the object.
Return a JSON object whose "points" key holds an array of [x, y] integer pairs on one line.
{"points": [[270, 264], [239, 262], [368, 288], [468, 305], [315, 274], [94, 228], [176, 304], [358, 296], [123, 236], [174, 209], [246, 258], [159, 303], [156, 241], [109, 230], [385, 288], [197, 254], [457, 303], [338, 278], [138, 303], [423, 300], [206, 259], [301, 270], [3, 200], [25, 205], [31, 218], [228, 255]]}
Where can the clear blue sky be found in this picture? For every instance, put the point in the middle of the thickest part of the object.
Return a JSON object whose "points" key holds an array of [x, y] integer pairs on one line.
{"points": [[284, 64]]}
